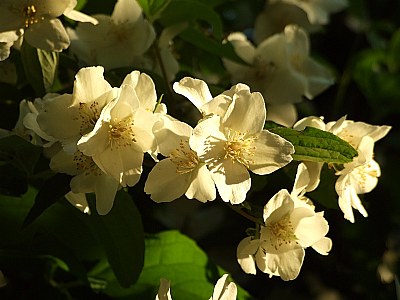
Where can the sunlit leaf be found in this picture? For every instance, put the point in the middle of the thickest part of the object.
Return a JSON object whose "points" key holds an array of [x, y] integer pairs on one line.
{"points": [[316, 145]]}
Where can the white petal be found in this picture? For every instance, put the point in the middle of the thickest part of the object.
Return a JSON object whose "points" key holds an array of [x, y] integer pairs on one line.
{"points": [[58, 119], [323, 246], [316, 122], [169, 133], [79, 201], [290, 264], [90, 86], [309, 226], [48, 34], [284, 114], [202, 185], [195, 90], [301, 180], [232, 180], [144, 87], [164, 184], [280, 201], [80, 17], [126, 11], [247, 113], [244, 49], [224, 290], [271, 153], [245, 254]]}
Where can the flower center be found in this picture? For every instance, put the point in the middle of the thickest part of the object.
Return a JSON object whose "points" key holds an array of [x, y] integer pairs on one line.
{"points": [[262, 68], [282, 233], [363, 172], [184, 158], [85, 164], [239, 148], [120, 133], [29, 13], [88, 114]]}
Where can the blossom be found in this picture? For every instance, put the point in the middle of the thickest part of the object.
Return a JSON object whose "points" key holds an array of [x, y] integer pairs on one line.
{"points": [[289, 228], [235, 143], [37, 21], [181, 172], [318, 11], [223, 290], [280, 67], [87, 178], [66, 118], [27, 125], [359, 176], [123, 132], [116, 40]]}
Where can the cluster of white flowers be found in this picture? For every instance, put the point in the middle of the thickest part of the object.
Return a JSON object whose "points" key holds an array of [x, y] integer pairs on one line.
{"points": [[100, 134]]}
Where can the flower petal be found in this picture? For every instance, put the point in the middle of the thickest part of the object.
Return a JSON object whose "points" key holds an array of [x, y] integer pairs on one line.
{"points": [[245, 252], [271, 152], [232, 180], [48, 34], [164, 183], [323, 246], [195, 90], [202, 185]]}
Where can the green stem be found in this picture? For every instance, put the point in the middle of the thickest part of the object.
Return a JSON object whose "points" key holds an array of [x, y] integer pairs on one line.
{"points": [[244, 214]]}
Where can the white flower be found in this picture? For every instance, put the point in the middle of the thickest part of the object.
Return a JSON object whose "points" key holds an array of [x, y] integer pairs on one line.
{"points": [[67, 117], [116, 40], [280, 67], [276, 16], [37, 21], [27, 125], [235, 143], [181, 172], [359, 176], [88, 178], [288, 229], [224, 290], [123, 131], [318, 11]]}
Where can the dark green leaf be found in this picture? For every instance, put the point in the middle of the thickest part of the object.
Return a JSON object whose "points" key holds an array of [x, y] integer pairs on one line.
{"points": [[121, 234], [316, 145], [179, 11], [153, 8], [20, 153], [53, 189], [40, 67], [209, 44], [394, 53], [175, 257], [13, 181]]}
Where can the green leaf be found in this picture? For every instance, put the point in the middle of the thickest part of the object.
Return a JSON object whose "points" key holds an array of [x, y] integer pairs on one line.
{"points": [[199, 39], [394, 53], [316, 145], [175, 257], [180, 11], [40, 67], [121, 234], [52, 190], [20, 153], [153, 8]]}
